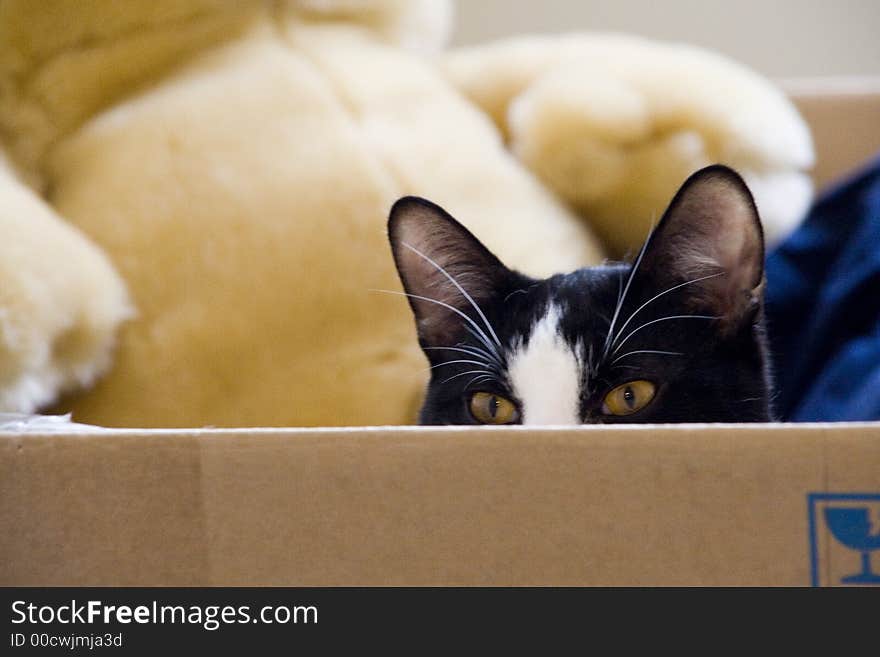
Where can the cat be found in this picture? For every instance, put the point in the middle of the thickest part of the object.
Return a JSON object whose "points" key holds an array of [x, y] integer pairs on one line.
{"points": [[676, 336]]}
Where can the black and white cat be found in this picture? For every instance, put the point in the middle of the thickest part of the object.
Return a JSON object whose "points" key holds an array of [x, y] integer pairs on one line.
{"points": [[677, 336]]}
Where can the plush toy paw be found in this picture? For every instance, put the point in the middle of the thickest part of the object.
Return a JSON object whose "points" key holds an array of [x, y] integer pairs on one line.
{"points": [[613, 124], [60, 302]]}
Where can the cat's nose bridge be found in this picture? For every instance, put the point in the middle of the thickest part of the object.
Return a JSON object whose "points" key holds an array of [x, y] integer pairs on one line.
{"points": [[545, 372]]}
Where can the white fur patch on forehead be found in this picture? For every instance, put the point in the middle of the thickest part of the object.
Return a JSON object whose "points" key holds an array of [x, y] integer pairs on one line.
{"points": [[545, 374]]}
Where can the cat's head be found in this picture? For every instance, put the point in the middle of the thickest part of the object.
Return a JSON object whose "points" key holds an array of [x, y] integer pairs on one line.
{"points": [[676, 336]]}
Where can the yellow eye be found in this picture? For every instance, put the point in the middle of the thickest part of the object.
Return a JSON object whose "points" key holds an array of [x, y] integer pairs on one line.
{"points": [[628, 398], [492, 409]]}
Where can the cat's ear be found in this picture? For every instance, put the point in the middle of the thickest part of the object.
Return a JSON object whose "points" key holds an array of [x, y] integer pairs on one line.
{"points": [[445, 270], [710, 243]]}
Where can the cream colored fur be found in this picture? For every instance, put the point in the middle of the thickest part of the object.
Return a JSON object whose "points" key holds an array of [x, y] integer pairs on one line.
{"points": [[60, 302], [614, 124], [235, 162]]}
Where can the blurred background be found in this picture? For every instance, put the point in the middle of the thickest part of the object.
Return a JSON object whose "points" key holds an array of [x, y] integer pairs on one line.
{"points": [[787, 38]]}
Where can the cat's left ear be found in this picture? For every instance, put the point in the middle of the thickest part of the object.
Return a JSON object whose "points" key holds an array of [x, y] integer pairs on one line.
{"points": [[446, 271], [710, 243]]}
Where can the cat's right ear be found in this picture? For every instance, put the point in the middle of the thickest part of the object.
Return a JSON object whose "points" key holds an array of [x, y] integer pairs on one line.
{"points": [[710, 244], [447, 273]]}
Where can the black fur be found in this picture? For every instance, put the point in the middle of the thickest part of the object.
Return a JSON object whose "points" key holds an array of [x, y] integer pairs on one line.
{"points": [[722, 375]]}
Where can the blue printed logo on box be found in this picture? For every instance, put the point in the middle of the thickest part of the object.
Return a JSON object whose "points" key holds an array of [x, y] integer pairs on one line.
{"points": [[844, 538]]}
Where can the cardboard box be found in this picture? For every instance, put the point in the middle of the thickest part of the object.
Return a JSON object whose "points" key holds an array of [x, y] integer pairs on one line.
{"points": [[631, 505]]}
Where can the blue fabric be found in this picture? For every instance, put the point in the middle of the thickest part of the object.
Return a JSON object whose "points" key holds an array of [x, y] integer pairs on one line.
{"points": [[823, 307]]}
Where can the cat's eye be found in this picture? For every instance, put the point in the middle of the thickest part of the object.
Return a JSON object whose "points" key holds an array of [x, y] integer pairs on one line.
{"points": [[492, 409], [628, 398]]}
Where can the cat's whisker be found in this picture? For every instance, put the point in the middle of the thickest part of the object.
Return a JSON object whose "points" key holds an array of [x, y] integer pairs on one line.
{"points": [[458, 287], [619, 288], [482, 337], [471, 362], [622, 297], [646, 351], [489, 359], [455, 376], [657, 296], [473, 351], [515, 292], [478, 379], [654, 321], [492, 354]]}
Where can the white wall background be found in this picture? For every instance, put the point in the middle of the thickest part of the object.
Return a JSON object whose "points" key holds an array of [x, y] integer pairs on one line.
{"points": [[784, 38]]}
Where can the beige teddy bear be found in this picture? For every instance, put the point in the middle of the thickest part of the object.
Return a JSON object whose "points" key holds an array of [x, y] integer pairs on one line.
{"points": [[218, 173]]}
